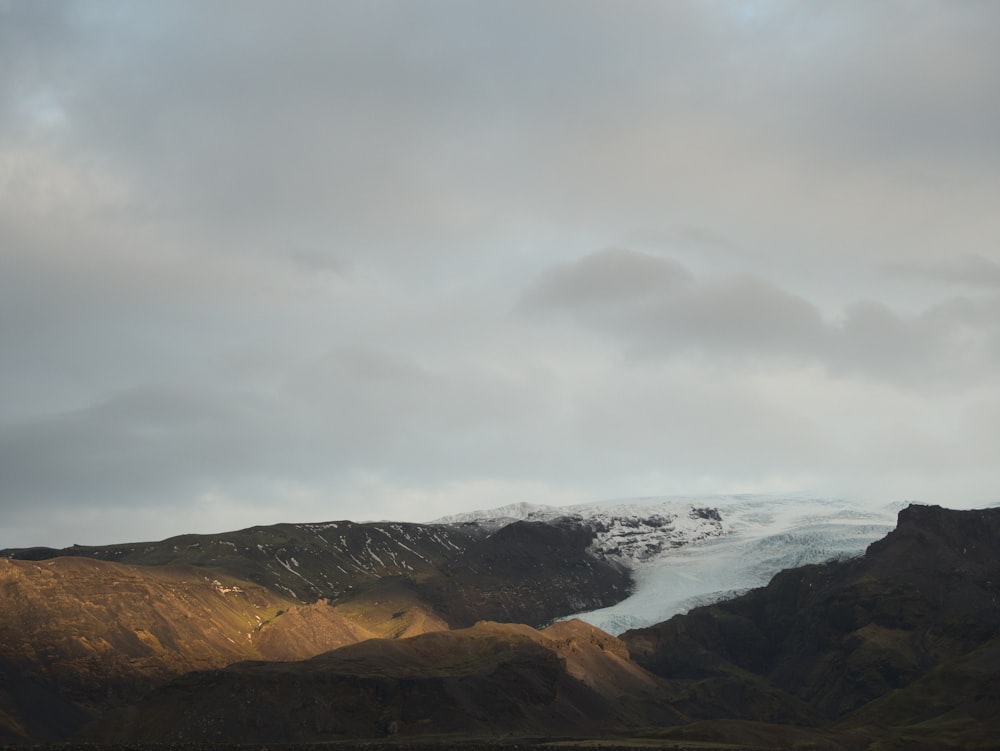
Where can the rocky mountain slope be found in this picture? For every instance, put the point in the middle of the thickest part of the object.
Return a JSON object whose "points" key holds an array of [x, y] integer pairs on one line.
{"points": [[526, 571], [628, 532], [304, 561], [672, 553], [896, 649], [85, 635], [685, 552], [899, 647], [86, 629], [490, 680], [904, 637]]}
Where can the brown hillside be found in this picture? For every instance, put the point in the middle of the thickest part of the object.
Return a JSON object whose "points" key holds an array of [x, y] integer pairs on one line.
{"points": [[490, 680], [82, 634]]}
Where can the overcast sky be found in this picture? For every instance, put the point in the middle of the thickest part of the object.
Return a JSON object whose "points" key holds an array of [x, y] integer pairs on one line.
{"points": [[267, 261]]}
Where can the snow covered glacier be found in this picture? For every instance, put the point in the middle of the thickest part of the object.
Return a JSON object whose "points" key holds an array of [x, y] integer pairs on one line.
{"points": [[689, 551]]}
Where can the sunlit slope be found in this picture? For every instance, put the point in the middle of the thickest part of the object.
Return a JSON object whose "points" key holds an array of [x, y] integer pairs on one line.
{"points": [[488, 681], [87, 634]]}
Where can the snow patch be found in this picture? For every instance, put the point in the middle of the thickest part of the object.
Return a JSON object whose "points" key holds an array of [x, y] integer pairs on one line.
{"points": [[222, 589]]}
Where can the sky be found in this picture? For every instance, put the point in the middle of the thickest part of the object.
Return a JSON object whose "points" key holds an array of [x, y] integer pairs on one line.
{"points": [[308, 261]]}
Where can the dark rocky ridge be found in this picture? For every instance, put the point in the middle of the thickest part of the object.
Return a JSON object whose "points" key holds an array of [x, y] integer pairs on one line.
{"points": [[303, 561], [527, 572], [820, 643]]}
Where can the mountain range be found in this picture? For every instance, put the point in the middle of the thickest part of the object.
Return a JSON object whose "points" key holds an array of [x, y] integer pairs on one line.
{"points": [[456, 630]]}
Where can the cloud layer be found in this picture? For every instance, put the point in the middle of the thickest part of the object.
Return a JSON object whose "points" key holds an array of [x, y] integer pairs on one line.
{"points": [[393, 259]]}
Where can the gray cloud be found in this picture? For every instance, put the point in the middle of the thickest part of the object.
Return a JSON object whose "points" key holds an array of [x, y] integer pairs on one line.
{"points": [[658, 308], [428, 126], [126, 449], [971, 269], [614, 275], [264, 262]]}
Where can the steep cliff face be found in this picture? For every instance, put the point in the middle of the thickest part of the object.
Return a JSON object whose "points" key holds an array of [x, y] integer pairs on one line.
{"points": [[827, 640]]}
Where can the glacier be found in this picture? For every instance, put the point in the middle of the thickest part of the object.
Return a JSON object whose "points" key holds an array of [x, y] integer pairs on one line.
{"points": [[693, 550]]}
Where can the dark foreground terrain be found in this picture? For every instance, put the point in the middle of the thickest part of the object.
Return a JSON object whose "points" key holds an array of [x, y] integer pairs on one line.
{"points": [[512, 745]]}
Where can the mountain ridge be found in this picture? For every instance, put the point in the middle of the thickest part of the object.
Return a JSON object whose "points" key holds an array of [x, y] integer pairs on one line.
{"points": [[846, 637], [906, 631]]}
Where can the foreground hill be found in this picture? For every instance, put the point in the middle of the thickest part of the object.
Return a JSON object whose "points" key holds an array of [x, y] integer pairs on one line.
{"points": [[78, 636], [904, 638], [491, 680]]}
